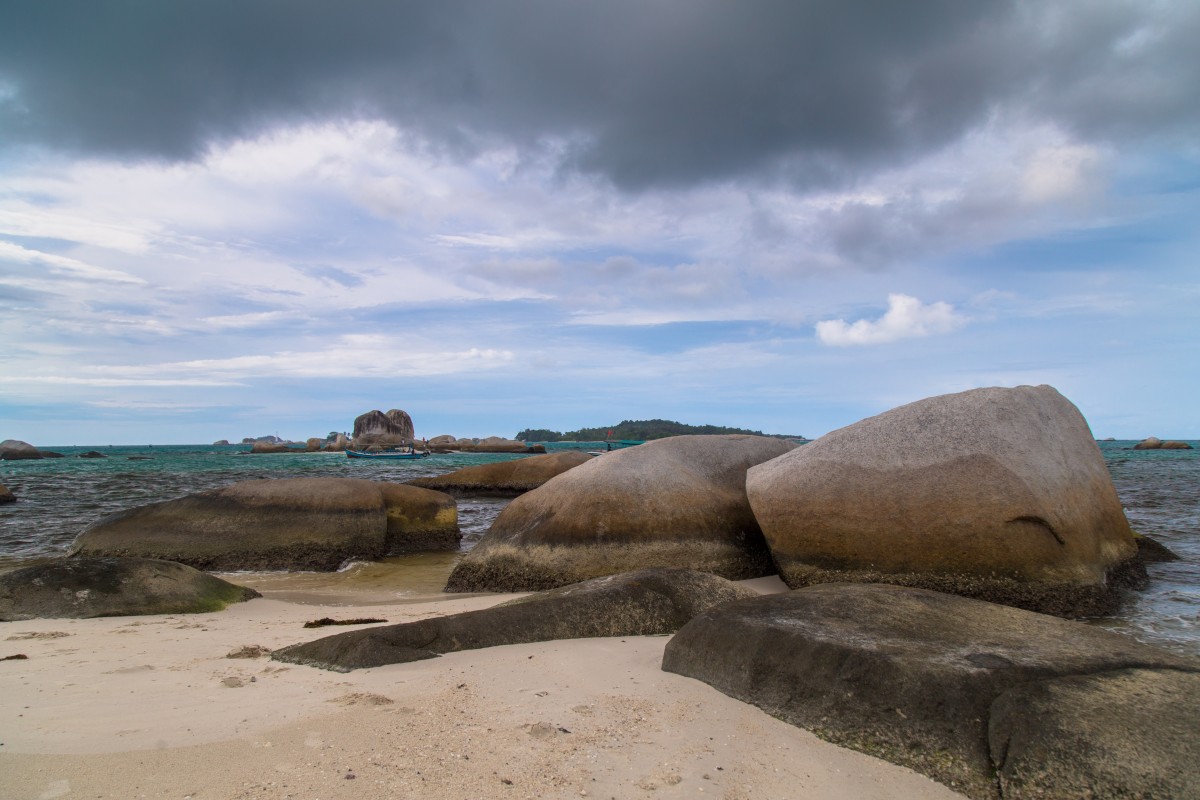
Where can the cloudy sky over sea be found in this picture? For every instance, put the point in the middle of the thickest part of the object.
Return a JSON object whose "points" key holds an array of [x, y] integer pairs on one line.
{"points": [[236, 218]]}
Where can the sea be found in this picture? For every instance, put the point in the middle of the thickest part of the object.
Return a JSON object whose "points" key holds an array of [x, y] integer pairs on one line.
{"points": [[59, 498]]}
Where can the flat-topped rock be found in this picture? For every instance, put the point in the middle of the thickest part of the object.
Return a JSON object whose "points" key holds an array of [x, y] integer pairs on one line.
{"points": [[677, 502], [292, 523], [643, 603], [112, 587], [908, 675], [999, 494], [505, 478], [1107, 736]]}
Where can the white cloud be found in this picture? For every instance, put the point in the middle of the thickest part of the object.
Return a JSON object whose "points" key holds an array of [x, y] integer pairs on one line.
{"points": [[62, 265], [906, 318]]}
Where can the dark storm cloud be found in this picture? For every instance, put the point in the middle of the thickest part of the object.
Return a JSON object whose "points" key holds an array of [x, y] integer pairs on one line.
{"points": [[647, 91]]}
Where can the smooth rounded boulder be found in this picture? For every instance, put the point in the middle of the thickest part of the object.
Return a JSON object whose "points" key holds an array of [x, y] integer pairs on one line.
{"points": [[16, 450], [677, 502], [81, 588], [505, 478], [646, 602], [6, 495], [292, 523], [907, 675], [999, 494]]}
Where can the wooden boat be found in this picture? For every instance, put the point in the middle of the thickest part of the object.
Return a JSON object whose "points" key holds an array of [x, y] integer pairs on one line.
{"points": [[394, 455]]}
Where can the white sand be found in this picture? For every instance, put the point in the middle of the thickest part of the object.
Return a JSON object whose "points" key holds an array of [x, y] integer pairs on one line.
{"points": [[132, 707]]}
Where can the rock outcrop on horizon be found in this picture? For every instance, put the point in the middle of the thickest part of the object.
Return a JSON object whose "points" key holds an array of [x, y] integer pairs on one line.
{"points": [[289, 523], [6, 495], [1154, 443], [220, 443], [446, 443], [678, 502], [16, 450], [647, 602], [276, 447], [953, 687], [81, 588], [377, 429], [999, 494], [505, 478]]}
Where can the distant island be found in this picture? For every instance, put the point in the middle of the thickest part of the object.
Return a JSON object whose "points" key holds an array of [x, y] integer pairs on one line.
{"points": [[636, 430]]}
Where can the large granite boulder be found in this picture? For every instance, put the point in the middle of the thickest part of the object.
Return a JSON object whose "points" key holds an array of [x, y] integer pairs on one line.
{"points": [[999, 494], [377, 429], [6, 495], [505, 478], [16, 450], [292, 523], [112, 587], [907, 675], [677, 502], [647, 602], [339, 444], [1110, 736]]}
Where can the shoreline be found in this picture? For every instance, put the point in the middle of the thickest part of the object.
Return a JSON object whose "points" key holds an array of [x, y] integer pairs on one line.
{"points": [[126, 706]]}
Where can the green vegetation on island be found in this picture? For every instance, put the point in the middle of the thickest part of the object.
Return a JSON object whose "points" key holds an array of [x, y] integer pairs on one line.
{"points": [[635, 430]]}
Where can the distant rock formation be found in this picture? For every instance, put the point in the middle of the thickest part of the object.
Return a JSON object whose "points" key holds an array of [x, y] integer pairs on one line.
{"points": [[376, 429], [15, 450], [339, 444], [264, 439], [1154, 443], [220, 442], [92, 454]]}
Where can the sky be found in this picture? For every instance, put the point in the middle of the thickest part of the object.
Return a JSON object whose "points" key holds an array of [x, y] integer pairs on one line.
{"points": [[248, 217]]}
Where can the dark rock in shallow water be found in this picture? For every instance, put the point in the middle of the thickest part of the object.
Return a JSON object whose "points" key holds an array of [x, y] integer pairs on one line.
{"points": [[6, 496], [1152, 551], [904, 674], [113, 587], [505, 478], [1115, 735], [641, 603], [92, 454]]}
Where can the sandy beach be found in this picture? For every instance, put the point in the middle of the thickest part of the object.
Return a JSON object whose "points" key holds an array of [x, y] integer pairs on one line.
{"points": [[131, 707]]}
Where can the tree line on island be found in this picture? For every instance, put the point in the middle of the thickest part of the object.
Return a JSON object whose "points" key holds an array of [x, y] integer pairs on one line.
{"points": [[636, 430]]}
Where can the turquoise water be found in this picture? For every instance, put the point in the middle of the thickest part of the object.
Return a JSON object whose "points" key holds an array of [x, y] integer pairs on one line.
{"points": [[1160, 491]]}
